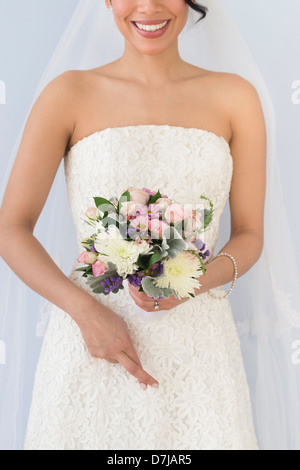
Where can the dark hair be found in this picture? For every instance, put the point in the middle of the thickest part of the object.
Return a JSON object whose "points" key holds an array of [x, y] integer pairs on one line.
{"points": [[200, 8]]}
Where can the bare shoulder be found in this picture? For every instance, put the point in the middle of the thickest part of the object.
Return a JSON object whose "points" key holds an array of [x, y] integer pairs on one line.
{"points": [[66, 84], [230, 85], [75, 84], [242, 101], [237, 98], [239, 94]]}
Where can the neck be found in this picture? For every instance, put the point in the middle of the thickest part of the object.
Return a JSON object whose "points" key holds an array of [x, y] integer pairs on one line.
{"points": [[149, 69]]}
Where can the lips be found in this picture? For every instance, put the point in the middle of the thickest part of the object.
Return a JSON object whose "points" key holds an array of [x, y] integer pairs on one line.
{"points": [[152, 34]]}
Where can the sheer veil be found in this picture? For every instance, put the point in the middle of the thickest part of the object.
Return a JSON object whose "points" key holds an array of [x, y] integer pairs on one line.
{"points": [[265, 302]]}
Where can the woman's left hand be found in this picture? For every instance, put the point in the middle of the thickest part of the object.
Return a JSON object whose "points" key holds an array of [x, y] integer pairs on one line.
{"points": [[148, 304]]}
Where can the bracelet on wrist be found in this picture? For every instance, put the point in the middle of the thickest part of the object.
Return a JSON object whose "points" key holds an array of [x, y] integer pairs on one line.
{"points": [[234, 278]]}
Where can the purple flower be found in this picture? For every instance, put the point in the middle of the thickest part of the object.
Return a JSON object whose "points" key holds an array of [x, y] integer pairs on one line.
{"points": [[94, 249], [199, 244], [111, 283], [136, 279]]}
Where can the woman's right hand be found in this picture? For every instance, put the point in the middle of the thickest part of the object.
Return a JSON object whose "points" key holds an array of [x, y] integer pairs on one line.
{"points": [[107, 337]]}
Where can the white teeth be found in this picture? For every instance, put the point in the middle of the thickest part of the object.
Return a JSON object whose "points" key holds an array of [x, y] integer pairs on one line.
{"points": [[148, 27]]}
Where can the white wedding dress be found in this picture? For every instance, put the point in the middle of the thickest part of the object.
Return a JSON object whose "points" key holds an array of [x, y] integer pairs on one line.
{"points": [[203, 403]]}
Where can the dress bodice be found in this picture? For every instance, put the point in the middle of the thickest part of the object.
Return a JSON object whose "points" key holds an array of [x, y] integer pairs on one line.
{"points": [[183, 163], [82, 402]]}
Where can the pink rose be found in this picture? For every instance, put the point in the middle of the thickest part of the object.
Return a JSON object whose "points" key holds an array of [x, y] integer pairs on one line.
{"points": [[138, 196], [99, 268], [163, 202], [87, 258], [157, 228], [128, 209], [93, 213], [174, 213]]}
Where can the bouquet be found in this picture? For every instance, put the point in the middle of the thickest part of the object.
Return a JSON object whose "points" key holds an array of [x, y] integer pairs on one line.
{"points": [[146, 239]]}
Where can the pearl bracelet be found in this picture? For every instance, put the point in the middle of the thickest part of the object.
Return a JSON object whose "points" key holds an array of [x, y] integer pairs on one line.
{"points": [[234, 278]]}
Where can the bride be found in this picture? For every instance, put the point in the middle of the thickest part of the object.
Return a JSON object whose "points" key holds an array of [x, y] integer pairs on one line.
{"points": [[110, 376]]}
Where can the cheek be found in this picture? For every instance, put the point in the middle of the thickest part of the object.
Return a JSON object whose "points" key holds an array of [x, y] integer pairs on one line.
{"points": [[125, 8], [178, 7], [122, 8]]}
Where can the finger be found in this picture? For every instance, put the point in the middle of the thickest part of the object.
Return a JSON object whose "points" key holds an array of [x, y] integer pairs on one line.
{"points": [[132, 354], [113, 361], [135, 370], [137, 293]]}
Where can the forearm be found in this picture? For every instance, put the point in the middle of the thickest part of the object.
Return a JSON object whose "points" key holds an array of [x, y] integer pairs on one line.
{"points": [[245, 247], [32, 264]]}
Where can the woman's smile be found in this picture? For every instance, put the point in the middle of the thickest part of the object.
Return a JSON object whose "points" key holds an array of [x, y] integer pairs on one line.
{"points": [[149, 29]]}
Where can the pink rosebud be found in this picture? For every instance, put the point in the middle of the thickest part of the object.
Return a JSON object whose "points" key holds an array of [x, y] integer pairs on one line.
{"points": [[157, 228], [99, 268], [87, 258], [138, 196], [163, 202], [93, 213], [174, 213]]}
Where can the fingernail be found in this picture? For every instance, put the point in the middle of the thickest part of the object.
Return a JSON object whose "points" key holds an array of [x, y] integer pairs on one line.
{"points": [[155, 386], [143, 387]]}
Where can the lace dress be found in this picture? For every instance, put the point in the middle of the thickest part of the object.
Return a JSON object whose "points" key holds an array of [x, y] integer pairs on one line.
{"points": [[203, 403]]}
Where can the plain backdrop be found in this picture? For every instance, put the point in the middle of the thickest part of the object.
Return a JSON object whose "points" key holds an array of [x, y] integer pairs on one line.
{"points": [[30, 30]]}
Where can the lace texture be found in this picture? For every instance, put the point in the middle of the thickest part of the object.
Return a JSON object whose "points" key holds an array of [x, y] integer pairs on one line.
{"points": [[203, 402]]}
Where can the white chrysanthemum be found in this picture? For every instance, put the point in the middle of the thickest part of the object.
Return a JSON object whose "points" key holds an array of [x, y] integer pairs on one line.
{"points": [[124, 254], [179, 274]]}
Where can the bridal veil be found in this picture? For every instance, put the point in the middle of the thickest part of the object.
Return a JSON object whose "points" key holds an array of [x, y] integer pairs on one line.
{"points": [[265, 302]]}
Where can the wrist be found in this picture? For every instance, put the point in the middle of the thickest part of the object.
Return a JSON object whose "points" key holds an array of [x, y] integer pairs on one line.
{"points": [[216, 275], [81, 304]]}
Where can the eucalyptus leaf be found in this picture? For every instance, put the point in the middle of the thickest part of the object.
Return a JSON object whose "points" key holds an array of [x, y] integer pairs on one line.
{"points": [[153, 291]]}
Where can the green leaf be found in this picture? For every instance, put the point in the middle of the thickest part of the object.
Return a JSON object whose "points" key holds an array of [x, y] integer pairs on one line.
{"points": [[154, 198], [154, 258], [104, 205], [142, 262], [88, 243], [124, 198], [207, 214], [200, 259]]}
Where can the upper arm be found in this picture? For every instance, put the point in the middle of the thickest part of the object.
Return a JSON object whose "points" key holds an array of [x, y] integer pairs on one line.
{"points": [[43, 145], [248, 149]]}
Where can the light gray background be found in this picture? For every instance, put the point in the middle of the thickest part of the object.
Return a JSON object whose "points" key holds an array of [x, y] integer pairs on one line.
{"points": [[29, 31]]}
